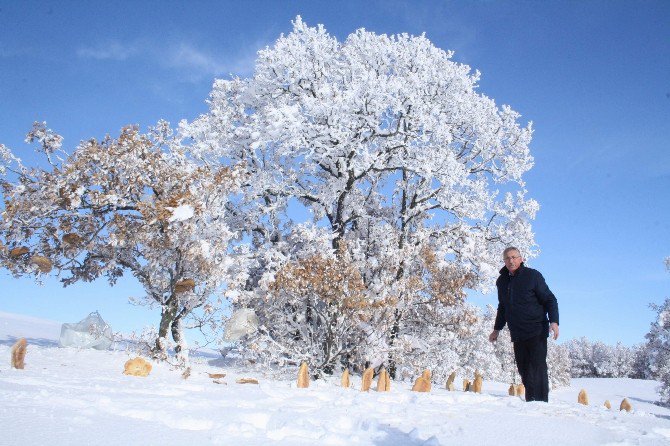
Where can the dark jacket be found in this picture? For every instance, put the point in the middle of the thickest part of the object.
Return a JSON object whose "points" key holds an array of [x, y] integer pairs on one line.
{"points": [[524, 300]]}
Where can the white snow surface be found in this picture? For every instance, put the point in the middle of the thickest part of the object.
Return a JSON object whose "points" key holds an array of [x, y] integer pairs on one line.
{"points": [[67, 396]]}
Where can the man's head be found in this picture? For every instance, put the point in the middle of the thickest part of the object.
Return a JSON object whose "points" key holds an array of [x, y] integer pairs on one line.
{"points": [[512, 258]]}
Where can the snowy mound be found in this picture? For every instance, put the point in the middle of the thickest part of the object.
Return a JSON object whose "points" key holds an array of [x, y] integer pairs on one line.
{"points": [[37, 331], [67, 396]]}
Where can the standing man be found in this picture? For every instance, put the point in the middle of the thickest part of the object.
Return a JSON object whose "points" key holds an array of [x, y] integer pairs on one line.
{"points": [[524, 301]]}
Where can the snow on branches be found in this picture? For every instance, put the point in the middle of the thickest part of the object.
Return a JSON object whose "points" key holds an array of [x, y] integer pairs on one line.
{"points": [[411, 178], [377, 130], [135, 203], [389, 147], [658, 349], [599, 360], [315, 310]]}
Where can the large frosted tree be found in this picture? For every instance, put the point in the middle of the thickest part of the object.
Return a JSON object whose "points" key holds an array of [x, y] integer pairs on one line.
{"points": [[389, 146], [135, 204]]}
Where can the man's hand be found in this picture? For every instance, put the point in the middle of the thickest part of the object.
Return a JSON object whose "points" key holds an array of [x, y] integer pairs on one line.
{"points": [[553, 327], [494, 335]]}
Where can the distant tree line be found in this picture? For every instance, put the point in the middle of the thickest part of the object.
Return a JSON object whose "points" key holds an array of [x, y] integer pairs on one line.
{"points": [[649, 360]]}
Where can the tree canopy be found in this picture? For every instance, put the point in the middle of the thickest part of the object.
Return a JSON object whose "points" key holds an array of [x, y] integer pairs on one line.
{"points": [[393, 152], [135, 203]]}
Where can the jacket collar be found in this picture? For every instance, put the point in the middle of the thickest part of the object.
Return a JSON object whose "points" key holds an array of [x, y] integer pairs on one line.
{"points": [[505, 271]]}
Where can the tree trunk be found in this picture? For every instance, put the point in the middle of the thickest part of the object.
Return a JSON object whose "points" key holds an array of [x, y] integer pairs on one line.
{"points": [[177, 335], [181, 349], [394, 335], [168, 314], [329, 341]]}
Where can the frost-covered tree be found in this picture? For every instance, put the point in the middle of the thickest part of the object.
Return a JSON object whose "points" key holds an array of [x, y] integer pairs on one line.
{"points": [[640, 367], [581, 358], [558, 365], [504, 351], [476, 353], [136, 204], [599, 360], [387, 143], [658, 348], [612, 361], [430, 340], [623, 359], [601, 357]]}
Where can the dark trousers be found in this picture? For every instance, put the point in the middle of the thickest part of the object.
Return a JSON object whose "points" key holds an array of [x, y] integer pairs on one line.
{"points": [[531, 361]]}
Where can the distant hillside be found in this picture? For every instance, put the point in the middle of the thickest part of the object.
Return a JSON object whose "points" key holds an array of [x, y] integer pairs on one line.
{"points": [[14, 326]]}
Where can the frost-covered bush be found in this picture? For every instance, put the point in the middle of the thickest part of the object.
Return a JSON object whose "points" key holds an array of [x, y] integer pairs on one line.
{"points": [[558, 364], [432, 345], [599, 360], [640, 367], [475, 352], [504, 351], [581, 358], [446, 339], [612, 361]]}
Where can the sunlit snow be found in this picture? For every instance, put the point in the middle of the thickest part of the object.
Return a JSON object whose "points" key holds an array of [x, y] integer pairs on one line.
{"points": [[66, 396]]}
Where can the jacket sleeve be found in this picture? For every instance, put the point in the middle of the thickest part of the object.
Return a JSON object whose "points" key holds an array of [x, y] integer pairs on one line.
{"points": [[500, 318], [546, 299], [500, 315]]}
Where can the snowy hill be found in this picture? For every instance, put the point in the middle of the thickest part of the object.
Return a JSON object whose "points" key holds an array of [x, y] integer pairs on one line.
{"points": [[67, 396]]}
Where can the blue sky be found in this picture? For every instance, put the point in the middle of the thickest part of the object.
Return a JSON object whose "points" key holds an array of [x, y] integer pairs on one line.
{"points": [[593, 76]]}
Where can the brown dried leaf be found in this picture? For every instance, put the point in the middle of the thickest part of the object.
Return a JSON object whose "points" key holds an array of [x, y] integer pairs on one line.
{"points": [[246, 381]]}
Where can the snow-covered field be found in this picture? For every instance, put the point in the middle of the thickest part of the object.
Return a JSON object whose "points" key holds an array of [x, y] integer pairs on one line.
{"points": [[66, 396]]}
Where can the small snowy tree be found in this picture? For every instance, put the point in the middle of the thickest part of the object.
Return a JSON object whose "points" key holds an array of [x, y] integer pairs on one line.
{"points": [[136, 204], [640, 366], [619, 363], [558, 364], [599, 360], [581, 358], [430, 340], [476, 353], [658, 349], [504, 351]]}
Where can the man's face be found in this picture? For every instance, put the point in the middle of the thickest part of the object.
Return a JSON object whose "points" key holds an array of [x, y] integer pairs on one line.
{"points": [[512, 260]]}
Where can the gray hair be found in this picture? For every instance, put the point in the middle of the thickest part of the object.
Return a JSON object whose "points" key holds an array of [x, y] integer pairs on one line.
{"points": [[511, 248]]}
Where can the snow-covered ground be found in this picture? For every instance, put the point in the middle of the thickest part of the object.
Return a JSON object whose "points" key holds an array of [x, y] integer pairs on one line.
{"points": [[66, 396]]}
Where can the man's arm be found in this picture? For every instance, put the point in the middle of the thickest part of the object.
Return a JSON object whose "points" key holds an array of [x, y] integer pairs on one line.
{"points": [[549, 302], [499, 323]]}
